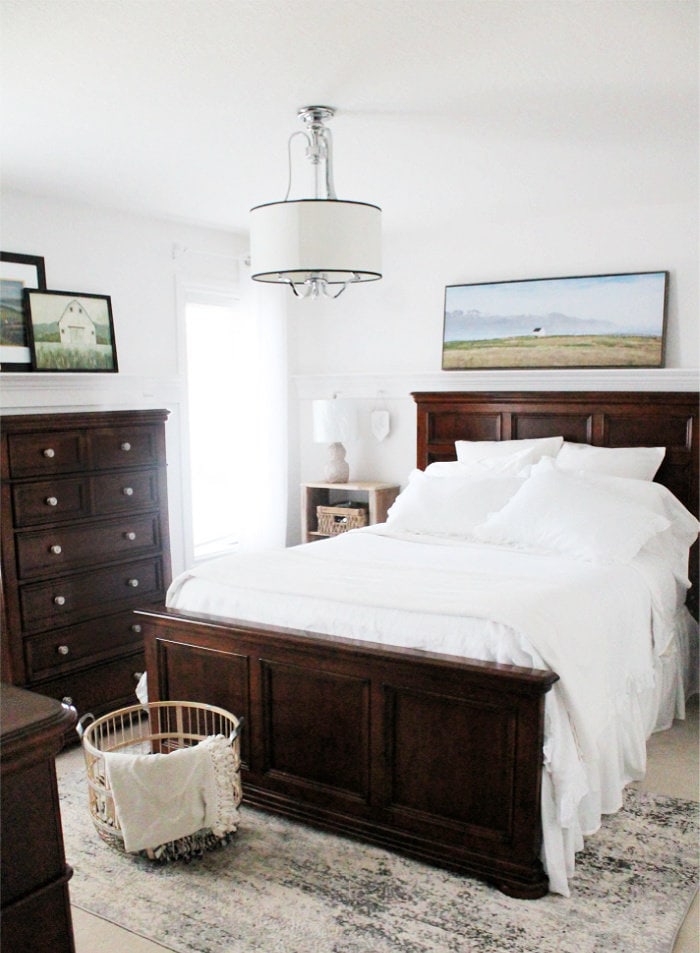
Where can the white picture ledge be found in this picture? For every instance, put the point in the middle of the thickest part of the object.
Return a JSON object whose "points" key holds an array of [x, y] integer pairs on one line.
{"points": [[312, 386]]}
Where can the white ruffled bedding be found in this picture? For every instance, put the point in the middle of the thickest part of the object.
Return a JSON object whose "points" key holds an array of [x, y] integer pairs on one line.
{"points": [[617, 636]]}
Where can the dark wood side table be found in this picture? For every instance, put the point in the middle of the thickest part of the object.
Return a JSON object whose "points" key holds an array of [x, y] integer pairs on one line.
{"points": [[36, 915]]}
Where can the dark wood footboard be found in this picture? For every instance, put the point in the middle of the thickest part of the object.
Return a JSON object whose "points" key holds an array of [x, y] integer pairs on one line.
{"points": [[433, 756]]}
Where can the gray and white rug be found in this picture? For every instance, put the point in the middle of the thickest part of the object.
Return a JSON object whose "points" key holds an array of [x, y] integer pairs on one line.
{"points": [[282, 887]]}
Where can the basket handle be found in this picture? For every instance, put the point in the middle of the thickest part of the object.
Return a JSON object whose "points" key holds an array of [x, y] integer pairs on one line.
{"points": [[236, 731], [83, 723]]}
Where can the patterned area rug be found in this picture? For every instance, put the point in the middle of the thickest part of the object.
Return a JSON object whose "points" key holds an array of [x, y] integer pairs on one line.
{"points": [[282, 887]]}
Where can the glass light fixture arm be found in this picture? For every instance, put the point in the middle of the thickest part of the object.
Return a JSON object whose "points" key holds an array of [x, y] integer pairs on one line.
{"points": [[316, 285], [289, 159], [319, 150]]}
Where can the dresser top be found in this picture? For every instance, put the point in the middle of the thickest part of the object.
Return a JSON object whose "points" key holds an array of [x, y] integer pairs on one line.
{"points": [[24, 713], [83, 418]]}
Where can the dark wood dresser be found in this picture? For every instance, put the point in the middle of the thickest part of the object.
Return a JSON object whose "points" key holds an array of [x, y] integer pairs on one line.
{"points": [[84, 541], [36, 915]]}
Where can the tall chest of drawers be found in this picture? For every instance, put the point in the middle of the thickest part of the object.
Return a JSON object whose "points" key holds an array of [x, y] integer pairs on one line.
{"points": [[85, 540]]}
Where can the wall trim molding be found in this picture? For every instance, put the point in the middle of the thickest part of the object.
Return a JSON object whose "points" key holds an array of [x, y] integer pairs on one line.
{"points": [[400, 385], [32, 393]]}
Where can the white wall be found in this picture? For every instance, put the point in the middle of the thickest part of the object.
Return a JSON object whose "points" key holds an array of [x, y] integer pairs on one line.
{"points": [[375, 344], [386, 336], [142, 264]]}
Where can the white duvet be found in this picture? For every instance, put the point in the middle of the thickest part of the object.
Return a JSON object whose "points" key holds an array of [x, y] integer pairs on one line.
{"points": [[615, 635]]}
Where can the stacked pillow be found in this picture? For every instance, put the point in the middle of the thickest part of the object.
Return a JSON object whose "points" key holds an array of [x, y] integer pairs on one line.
{"points": [[637, 463], [546, 495]]}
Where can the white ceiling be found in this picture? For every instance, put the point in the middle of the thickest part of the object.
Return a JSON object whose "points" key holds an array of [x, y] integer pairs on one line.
{"points": [[182, 108]]}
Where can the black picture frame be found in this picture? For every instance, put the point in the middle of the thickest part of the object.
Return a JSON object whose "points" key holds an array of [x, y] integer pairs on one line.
{"points": [[17, 272], [588, 321], [71, 332]]}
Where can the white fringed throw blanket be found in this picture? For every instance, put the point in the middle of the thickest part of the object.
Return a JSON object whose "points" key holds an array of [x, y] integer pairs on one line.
{"points": [[164, 797]]}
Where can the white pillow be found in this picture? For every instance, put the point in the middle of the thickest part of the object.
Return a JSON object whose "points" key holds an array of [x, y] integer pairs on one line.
{"points": [[637, 463], [506, 464], [448, 505], [475, 451], [560, 512], [672, 544]]}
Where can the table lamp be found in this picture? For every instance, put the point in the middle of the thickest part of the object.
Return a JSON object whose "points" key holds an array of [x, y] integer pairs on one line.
{"points": [[335, 423]]}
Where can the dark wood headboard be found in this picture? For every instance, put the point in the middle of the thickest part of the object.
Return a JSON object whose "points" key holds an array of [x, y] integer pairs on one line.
{"points": [[601, 418]]}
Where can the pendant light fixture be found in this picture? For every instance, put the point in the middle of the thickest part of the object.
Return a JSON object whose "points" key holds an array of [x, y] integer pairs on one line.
{"points": [[320, 245]]}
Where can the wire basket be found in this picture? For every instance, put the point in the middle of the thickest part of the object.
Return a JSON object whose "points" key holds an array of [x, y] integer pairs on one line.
{"points": [[153, 728]]}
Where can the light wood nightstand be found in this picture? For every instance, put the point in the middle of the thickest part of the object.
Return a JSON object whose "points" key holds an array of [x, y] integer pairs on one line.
{"points": [[377, 496]]}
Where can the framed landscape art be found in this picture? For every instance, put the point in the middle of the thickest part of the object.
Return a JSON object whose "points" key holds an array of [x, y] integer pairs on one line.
{"points": [[70, 331], [17, 272], [590, 321]]}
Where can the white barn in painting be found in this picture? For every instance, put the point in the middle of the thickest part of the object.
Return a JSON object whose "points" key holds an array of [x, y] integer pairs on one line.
{"points": [[76, 327]]}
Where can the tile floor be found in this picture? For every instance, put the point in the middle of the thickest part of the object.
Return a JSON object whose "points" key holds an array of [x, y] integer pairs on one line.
{"points": [[673, 769]]}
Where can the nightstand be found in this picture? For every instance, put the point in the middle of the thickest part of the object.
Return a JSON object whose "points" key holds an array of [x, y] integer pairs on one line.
{"points": [[377, 496]]}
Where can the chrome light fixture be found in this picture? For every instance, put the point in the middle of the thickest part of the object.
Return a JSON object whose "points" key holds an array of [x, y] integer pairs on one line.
{"points": [[320, 245]]}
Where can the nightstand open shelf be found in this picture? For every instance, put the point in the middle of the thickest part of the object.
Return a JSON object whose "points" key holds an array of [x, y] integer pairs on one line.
{"points": [[377, 496]]}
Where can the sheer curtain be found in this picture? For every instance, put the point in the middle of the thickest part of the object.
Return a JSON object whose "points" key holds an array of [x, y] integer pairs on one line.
{"points": [[263, 417], [236, 347]]}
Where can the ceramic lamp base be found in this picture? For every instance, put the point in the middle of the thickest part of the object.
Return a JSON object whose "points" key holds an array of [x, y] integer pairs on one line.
{"points": [[337, 469]]}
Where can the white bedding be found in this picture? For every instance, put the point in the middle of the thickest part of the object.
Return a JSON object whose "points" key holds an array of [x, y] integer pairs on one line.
{"points": [[620, 652]]}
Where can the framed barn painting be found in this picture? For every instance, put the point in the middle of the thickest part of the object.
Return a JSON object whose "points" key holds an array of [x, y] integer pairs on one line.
{"points": [[17, 272], [70, 331], [592, 321]]}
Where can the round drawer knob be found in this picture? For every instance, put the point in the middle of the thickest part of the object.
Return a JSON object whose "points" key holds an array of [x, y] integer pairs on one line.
{"points": [[126, 446], [128, 491], [134, 583], [136, 628], [130, 535], [59, 600], [67, 700], [51, 501], [56, 549], [49, 452], [63, 650]]}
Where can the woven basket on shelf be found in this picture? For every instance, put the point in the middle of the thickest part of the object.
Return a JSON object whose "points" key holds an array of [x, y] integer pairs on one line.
{"points": [[339, 519]]}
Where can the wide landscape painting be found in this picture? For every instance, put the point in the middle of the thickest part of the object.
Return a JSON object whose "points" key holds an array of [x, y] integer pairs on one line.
{"points": [[593, 321]]}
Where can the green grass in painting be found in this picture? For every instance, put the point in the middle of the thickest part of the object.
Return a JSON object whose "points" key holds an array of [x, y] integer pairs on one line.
{"points": [[556, 351], [56, 357]]}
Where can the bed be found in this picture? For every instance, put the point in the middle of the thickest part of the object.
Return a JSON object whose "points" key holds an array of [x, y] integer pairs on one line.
{"points": [[491, 752]]}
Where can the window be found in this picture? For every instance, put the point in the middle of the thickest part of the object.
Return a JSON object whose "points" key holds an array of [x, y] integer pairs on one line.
{"points": [[237, 418], [215, 352]]}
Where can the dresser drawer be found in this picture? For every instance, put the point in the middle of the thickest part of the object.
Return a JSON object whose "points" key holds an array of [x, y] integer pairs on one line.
{"points": [[124, 447], [98, 689], [81, 596], [62, 548], [36, 454], [50, 500], [61, 650], [128, 490]]}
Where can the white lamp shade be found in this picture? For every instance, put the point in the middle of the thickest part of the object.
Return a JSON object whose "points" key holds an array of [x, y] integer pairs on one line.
{"points": [[335, 421], [340, 240]]}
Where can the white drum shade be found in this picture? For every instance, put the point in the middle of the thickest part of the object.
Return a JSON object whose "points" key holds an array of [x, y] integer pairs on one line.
{"points": [[335, 421], [338, 240]]}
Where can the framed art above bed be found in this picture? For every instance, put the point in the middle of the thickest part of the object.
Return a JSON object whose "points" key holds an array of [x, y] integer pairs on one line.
{"points": [[591, 321]]}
